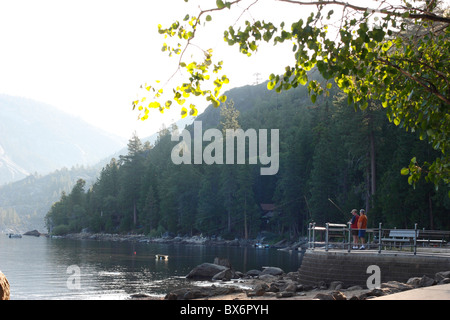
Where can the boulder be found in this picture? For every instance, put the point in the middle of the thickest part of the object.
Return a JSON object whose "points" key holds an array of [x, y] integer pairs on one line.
{"points": [[32, 233], [205, 271], [441, 276], [225, 275], [414, 281], [260, 289], [426, 282], [274, 271], [291, 287], [395, 286], [4, 287]]}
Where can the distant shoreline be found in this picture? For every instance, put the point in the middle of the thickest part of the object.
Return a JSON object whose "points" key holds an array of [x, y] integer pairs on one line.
{"points": [[192, 240]]}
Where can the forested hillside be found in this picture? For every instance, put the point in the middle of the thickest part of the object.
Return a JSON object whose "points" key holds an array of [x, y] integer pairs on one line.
{"points": [[332, 159]]}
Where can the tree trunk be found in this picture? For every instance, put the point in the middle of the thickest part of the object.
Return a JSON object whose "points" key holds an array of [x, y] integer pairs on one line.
{"points": [[134, 214], [430, 207], [372, 164], [371, 172]]}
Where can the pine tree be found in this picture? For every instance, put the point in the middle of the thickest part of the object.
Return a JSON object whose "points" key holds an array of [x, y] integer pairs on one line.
{"points": [[131, 169]]}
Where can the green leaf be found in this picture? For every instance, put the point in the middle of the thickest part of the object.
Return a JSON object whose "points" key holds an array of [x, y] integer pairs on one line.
{"points": [[364, 105], [378, 34], [220, 4], [208, 18], [410, 180], [329, 14], [404, 171]]}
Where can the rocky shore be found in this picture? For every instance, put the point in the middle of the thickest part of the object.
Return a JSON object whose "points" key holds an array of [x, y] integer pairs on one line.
{"points": [[273, 283]]}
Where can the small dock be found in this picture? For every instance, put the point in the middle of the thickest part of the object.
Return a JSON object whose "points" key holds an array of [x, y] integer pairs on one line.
{"points": [[162, 257]]}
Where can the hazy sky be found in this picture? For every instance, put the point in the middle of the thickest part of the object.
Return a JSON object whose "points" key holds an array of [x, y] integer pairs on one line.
{"points": [[89, 57]]}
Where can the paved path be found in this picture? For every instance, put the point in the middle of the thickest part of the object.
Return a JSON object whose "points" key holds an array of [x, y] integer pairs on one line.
{"points": [[437, 292]]}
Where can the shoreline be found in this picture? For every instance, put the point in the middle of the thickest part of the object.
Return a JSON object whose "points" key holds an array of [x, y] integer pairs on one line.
{"points": [[190, 240]]}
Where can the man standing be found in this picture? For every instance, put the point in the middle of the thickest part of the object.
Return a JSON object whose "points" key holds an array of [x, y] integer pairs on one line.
{"points": [[362, 225], [354, 228]]}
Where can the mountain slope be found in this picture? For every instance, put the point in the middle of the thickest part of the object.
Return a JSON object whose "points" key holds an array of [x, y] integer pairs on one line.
{"points": [[24, 203], [36, 137]]}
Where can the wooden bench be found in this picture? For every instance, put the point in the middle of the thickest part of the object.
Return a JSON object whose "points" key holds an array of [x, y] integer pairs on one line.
{"points": [[401, 236], [431, 242], [433, 237]]}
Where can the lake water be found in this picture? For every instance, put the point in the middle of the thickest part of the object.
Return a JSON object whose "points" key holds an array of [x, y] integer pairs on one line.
{"points": [[49, 269]]}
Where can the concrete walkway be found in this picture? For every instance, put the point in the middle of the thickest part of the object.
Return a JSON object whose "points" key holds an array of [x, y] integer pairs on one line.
{"points": [[437, 292]]}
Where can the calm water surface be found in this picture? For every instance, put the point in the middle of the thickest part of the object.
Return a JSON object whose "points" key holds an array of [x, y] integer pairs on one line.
{"points": [[40, 268]]}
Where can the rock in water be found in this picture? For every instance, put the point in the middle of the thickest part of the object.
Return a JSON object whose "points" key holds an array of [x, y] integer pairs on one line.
{"points": [[205, 271], [32, 233], [4, 287]]}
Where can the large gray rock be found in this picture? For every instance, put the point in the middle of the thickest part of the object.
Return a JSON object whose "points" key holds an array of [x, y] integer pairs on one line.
{"points": [[414, 281], [34, 233], [225, 275], [426, 282], [205, 271], [441, 276], [274, 271]]}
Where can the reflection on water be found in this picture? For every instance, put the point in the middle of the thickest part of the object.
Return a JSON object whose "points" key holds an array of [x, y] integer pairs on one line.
{"points": [[37, 268]]}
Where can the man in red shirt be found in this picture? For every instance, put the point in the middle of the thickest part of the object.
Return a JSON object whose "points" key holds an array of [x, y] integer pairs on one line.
{"points": [[362, 225]]}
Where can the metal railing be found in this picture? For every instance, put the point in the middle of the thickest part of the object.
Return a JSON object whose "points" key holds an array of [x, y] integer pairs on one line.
{"points": [[376, 237]]}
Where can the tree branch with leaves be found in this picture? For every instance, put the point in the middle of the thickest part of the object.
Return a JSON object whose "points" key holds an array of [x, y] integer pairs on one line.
{"points": [[397, 52]]}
